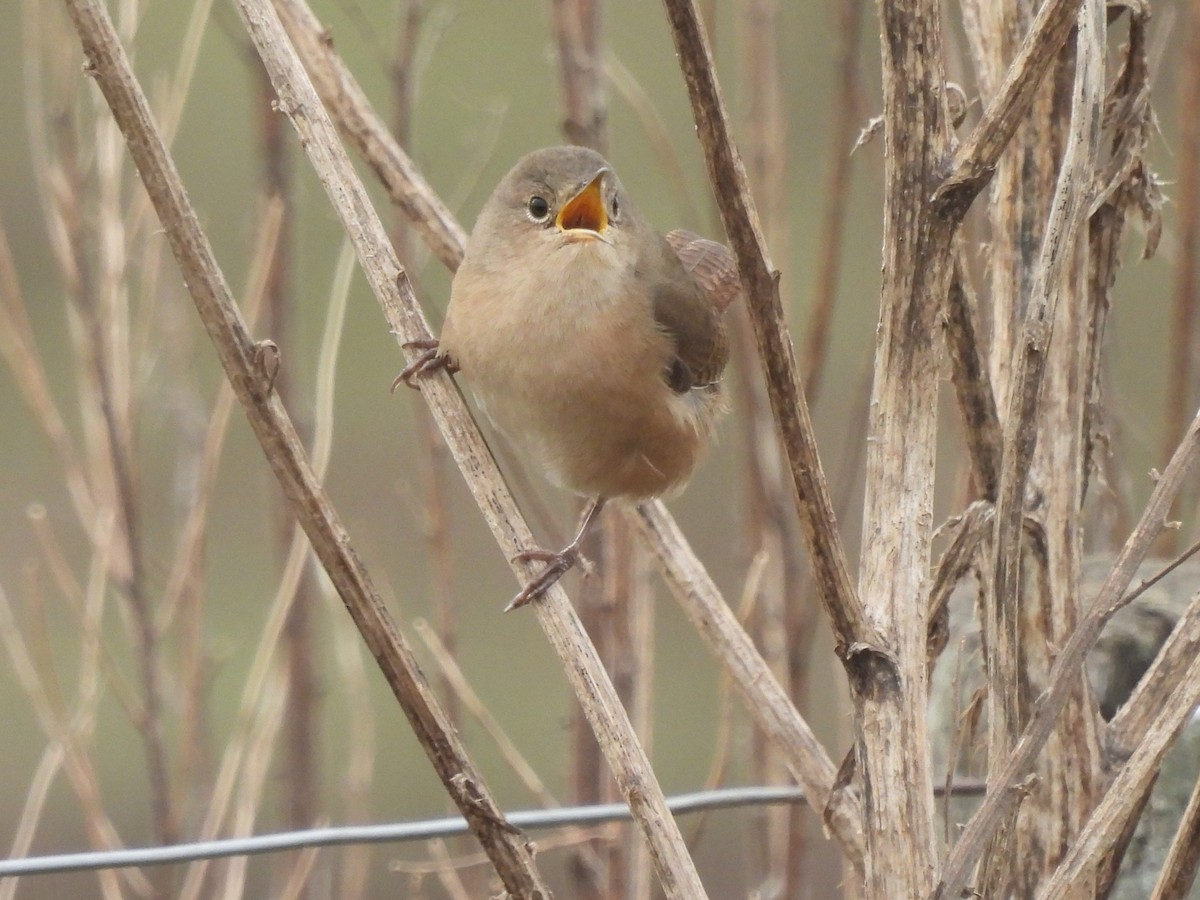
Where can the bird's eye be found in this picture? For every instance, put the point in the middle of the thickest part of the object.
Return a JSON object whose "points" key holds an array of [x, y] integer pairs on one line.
{"points": [[616, 209], [539, 208]]}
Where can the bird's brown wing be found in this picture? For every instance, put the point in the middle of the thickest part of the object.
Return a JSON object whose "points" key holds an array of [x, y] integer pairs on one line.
{"points": [[711, 264], [690, 308]]}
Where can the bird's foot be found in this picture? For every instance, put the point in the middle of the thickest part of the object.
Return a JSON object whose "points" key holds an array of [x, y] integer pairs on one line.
{"points": [[557, 565], [429, 361]]}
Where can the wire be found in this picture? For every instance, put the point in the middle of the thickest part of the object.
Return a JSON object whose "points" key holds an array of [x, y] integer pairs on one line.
{"points": [[532, 820], [380, 834]]}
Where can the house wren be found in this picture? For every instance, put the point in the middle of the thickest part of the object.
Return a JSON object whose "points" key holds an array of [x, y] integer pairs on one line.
{"points": [[591, 341]]}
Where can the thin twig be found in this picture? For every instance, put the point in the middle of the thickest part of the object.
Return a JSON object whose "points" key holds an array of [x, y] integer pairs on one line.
{"points": [[833, 222], [766, 701], [1124, 795], [1181, 378], [370, 137], [108, 64], [760, 283]]}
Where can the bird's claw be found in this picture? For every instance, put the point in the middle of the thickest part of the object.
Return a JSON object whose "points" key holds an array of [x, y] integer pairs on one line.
{"points": [[429, 361], [557, 565]]}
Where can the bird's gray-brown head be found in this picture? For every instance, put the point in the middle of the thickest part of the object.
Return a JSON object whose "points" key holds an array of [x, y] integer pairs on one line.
{"points": [[554, 198]]}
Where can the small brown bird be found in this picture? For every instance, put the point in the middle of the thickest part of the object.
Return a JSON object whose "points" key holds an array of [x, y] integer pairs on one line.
{"points": [[591, 341]]}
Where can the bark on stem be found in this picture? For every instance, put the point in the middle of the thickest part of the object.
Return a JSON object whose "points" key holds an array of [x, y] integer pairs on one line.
{"points": [[108, 64]]}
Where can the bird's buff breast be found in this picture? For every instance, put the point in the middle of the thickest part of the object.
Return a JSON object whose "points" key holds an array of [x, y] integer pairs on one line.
{"points": [[575, 380]]}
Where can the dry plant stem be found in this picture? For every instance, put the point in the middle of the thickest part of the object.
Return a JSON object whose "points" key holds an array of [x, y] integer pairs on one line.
{"points": [[107, 62], [841, 138], [576, 26], [766, 701], [1183, 859], [972, 386], [975, 161], [888, 681], [1003, 789], [369, 135], [1181, 378], [1132, 721], [1067, 222], [365, 131], [1124, 795], [760, 283], [577, 39], [638, 785], [766, 501], [970, 529], [302, 718]]}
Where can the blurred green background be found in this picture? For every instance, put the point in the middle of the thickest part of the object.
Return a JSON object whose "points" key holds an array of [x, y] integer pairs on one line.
{"points": [[487, 93]]}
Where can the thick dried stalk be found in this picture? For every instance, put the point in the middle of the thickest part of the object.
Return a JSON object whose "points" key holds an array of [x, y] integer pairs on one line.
{"points": [[1068, 217], [889, 682], [640, 789], [107, 62], [1004, 790]]}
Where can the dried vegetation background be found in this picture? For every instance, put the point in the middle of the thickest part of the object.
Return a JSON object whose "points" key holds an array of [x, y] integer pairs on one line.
{"points": [[921, 459]]}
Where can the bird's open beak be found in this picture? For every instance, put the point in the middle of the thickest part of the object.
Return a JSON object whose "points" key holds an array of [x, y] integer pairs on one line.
{"points": [[584, 217]]}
